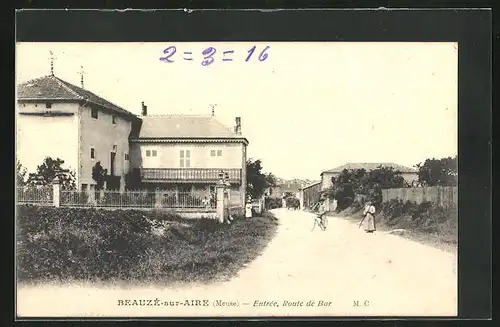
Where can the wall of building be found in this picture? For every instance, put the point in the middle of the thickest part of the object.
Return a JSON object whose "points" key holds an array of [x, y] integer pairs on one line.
{"points": [[101, 134], [168, 155], [38, 137], [410, 177], [326, 180], [310, 196], [232, 156]]}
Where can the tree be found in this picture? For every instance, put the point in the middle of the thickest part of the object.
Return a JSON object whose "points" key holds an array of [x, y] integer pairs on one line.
{"points": [[258, 182], [99, 174], [48, 170], [369, 185], [21, 173], [133, 179], [438, 172]]}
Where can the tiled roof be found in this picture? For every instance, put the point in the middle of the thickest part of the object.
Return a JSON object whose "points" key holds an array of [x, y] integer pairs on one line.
{"points": [[370, 166], [184, 126], [53, 88], [310, 185]]}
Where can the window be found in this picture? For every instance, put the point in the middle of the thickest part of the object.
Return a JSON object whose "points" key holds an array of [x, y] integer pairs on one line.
{"points": [[92, 153], [48, 105], [84, 187], [126, 157], [185, 159], [94, 113], [113, 119], [115, 147], [151, 153], [217, 153]]}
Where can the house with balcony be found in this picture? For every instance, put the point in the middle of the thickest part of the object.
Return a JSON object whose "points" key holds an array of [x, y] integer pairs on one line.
{"points": [[186, 153], [181, 153], [58, 119]]}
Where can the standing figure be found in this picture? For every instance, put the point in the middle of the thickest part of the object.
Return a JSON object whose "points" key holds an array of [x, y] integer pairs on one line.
{"points": [[248, 209], [369, 218], [206, 203]]}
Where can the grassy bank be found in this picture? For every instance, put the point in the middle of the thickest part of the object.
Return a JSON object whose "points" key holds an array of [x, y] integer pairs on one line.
{"points": [[425, 222], [67, 244]]}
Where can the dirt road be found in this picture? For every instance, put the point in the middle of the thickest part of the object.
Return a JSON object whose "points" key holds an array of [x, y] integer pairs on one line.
{"points": [[335, 269]]}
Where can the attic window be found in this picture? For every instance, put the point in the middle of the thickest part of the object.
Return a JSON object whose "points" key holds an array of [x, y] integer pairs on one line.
{"points": [[48, 105], [113, 119]]}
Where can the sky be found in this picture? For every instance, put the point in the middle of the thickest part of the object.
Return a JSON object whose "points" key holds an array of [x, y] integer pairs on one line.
{"points": [[305, 108]]}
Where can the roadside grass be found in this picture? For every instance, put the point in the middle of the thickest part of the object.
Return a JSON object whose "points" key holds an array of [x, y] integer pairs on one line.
{"points": [[427, 222], [96, 245]]}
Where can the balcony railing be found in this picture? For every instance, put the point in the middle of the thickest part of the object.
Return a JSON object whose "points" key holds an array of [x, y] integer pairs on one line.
{"points": [[180, 175]]}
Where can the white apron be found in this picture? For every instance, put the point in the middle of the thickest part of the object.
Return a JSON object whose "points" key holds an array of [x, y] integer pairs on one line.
{"points": [[248, 210]]}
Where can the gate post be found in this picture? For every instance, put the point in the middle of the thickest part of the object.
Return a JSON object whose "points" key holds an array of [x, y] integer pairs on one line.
{"points": [[221, 204], [56, 194], [158, 194]]}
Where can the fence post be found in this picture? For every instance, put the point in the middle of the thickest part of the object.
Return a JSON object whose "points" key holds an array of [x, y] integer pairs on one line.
{"points": [[157, 198], [220, 206], [56, 188]]}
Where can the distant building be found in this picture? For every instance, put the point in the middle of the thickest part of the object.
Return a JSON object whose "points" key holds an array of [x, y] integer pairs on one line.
{"points": [[409, 174], [309, 195], [283, 187]]}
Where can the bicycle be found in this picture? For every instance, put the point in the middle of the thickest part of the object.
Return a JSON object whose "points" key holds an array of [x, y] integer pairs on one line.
{"points": [[321, 220]]}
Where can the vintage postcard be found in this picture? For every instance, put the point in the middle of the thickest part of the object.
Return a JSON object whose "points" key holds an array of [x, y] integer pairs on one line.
{"points": [[236, 179]]}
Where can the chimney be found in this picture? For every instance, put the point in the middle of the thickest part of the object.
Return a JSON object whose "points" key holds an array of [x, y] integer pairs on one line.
{"points": [[237, 127], [144, 109]]}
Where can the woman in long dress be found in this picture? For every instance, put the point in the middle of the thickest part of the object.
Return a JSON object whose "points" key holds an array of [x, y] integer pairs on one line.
{"points": [[369, 219]]}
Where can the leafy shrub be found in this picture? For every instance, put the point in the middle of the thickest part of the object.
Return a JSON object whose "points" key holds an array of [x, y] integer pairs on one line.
{"points": [[426, 216], [273, 202], [96, 244], [438, 172]]}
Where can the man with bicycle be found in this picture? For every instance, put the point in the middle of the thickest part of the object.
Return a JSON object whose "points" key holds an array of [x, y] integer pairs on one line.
{"points": [[320, 219]]}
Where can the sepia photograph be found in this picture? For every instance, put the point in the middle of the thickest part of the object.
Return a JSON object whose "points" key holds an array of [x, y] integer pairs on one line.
{"points": [[236, 179]]}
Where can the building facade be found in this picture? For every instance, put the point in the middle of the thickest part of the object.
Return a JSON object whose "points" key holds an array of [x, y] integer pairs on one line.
{"points": [[179, 152], [187, 153], [57, 119]]}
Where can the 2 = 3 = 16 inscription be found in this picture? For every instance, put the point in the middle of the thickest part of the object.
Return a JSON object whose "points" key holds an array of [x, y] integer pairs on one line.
{"points": [[208, 55]]}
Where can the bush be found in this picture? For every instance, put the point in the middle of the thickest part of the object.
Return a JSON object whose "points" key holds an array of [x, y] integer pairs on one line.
{"points": [[97, 245], [425, 217], [273, 202]]}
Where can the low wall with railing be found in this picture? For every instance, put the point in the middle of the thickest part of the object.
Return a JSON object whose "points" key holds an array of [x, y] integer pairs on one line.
{"points": [[168, 200], [187, 204], [135, 199]]}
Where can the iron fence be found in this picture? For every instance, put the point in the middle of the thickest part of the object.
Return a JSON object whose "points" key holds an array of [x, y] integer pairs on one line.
{"points": [[39, 195]]}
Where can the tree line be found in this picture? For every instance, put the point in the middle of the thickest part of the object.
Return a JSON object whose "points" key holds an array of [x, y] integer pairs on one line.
{"points": [[352, 185], [257, 181]]}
